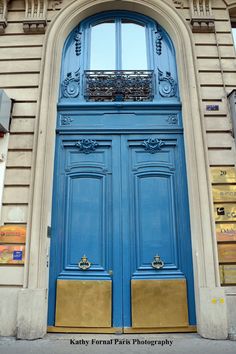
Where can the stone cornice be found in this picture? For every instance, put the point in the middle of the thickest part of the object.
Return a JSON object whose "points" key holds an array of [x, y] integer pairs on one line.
{"points": [[3, 15], [35, 20], [202, 19], [35, 16]]}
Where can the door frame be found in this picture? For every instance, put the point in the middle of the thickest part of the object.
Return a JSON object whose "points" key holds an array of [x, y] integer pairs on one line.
{"points": [[205, 257]]}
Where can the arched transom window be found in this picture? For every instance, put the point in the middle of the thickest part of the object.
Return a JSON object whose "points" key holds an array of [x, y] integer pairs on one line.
{"points": [[118, 56]]}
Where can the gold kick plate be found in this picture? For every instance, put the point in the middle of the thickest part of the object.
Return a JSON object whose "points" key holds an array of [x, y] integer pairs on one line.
{"points": [[83, 303], [159, 303]]}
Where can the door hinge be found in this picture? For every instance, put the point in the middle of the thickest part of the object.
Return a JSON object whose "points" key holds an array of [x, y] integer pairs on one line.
{"points": [[49, 232]]}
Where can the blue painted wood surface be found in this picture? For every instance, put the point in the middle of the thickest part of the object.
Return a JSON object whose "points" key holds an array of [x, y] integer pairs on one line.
{"points": [[120, 204]]}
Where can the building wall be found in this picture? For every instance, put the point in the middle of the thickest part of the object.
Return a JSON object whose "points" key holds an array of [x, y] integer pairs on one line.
{"points": [[21, 64]]}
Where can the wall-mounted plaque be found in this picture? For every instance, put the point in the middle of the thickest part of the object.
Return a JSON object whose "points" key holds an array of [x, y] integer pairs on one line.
{"points": [[223, 174], [227, 252], [226, 232], [225, 193], [12, 234], [228, 274], [212, 107], [12, 254], [225, 212]]}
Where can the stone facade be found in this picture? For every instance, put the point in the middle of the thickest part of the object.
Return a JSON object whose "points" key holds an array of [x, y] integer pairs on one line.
{"points": [[32, 34]]}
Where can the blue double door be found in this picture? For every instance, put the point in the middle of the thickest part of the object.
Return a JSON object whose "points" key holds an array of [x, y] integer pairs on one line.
{"points": [[120, 218]]}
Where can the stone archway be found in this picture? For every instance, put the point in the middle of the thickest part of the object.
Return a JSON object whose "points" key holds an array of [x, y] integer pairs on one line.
{"points": [[32, 299]]}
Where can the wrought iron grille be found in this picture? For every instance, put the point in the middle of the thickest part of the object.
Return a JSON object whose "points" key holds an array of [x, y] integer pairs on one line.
{"points": [[118, 85]]}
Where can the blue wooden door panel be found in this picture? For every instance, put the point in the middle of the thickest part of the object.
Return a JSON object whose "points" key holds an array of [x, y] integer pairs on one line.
{"points": [[121, 205], [112, 117], [85, 220], [154, 219], [86, 209], [82, 222], [153, 212], [153, 180]]}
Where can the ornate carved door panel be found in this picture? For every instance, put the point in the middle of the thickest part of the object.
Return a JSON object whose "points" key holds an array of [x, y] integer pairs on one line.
{"points": [[119, 244]]}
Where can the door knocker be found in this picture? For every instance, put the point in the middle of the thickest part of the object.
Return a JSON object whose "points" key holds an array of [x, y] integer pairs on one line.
{"points": [[157, 263], [84, 263]]}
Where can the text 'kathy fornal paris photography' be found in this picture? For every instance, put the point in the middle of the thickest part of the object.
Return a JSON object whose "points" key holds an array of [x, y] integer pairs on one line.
{"points": [[122, 341]]}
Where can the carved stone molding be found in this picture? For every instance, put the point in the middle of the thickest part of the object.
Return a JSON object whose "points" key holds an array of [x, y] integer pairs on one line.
{"points": [[3, 15], [202, 19], [35, 16], [56, 4], [178, 3]]}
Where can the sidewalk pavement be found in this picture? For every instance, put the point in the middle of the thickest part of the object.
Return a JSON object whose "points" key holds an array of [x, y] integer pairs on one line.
{"points": [[188, 343]]}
